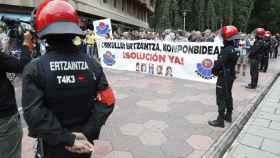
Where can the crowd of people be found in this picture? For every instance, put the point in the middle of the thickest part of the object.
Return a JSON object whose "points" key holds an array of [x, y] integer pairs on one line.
{"points": [[88, 43], [167, 35]]}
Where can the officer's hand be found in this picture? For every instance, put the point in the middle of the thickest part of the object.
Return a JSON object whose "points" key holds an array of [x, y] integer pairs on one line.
{"points": [[80, 136], [81, 147]]}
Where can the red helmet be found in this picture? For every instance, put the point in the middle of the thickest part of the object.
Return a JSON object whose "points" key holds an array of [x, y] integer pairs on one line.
{"points": [[56, 17], [230, 33], [260, 32]]}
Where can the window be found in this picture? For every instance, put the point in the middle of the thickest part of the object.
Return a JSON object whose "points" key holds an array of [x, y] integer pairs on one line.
{"points": [[152, 2], [124, 5], [115, 3]]}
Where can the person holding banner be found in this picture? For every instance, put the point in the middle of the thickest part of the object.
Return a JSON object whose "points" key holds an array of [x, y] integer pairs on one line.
{"points": [[90, 42], [224, 69]]}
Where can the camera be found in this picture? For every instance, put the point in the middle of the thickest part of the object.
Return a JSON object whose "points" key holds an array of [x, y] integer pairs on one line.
{"points": [[10, 22], [15, 30]]}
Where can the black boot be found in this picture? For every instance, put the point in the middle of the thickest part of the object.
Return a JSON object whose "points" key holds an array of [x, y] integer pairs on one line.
{"points": [[228, 116], [219, 122], [251, 87]]}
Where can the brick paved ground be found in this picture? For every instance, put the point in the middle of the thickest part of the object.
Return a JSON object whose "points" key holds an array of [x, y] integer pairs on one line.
{"points": [[165, 118], [260, 138]]}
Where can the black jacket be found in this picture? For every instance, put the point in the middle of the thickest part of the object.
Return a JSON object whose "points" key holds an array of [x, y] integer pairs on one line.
{"points": [[52, 120], [226, 62], [267, 47], [11, 64], [257, 49]]}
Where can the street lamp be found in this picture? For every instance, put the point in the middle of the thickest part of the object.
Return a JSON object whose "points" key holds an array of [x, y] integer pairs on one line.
{"points": [[184, 14]]}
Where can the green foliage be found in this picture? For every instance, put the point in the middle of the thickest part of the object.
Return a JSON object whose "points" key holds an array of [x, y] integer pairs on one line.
{"points": [[211, 20], [265, 14], [213, 14]]}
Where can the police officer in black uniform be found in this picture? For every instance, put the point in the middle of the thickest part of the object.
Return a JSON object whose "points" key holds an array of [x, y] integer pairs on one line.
{"points": [[224, 68], [254, 56], [266, 52], [275, 54], [10, 122], [65, 97]]}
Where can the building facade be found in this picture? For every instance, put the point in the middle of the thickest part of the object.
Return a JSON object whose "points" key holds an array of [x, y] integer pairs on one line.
{"points": [[126, 13]]}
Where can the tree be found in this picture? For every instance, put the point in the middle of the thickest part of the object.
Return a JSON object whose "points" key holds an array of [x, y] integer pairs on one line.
{"points": [[265, 14], [161, 17], [202, 14], [211, 17], [175, 16], [228, 12], [242, 12]]}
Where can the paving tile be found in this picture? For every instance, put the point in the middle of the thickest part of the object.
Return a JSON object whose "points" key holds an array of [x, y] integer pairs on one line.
{"points": [[196, 154], [271, 146], [199, 129], [148, 152], [159, 105], [269, 104], [204, 98], [152, 138], [271, 100], [102, 148], [268, 109], [200, 142], [177, 133], [121, 96], [164, 91], [275, 125], [126, 143], [119, 154], [264, 132], [211, 115], [132, 129], [176, 148], [155, 125], [261, 122], [243, 151], [196, 119], [269, 116], [251, 140], [278, 111]]}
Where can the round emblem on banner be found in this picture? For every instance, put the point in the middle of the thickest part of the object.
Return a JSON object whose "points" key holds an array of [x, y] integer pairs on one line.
{"points": [[204, 69], [207, 63], [109, 58], [102, 29], [102, 25]]}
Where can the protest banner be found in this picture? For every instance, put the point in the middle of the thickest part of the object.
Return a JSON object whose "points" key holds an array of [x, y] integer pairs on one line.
{"points": [[103, 29], [184, 60]]}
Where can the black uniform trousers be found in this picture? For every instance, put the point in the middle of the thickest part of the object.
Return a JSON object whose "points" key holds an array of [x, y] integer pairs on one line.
{"points": [[254, 72], [59, 151], [264, 63], [224, 94], [276, 52]]}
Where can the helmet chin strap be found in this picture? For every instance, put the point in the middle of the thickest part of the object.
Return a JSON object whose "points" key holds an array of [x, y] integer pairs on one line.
{"points": [[229, 43]]}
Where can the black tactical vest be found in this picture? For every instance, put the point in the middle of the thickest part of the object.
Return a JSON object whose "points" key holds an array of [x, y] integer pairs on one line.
{"points": [[230, 60], [69, 86]]}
